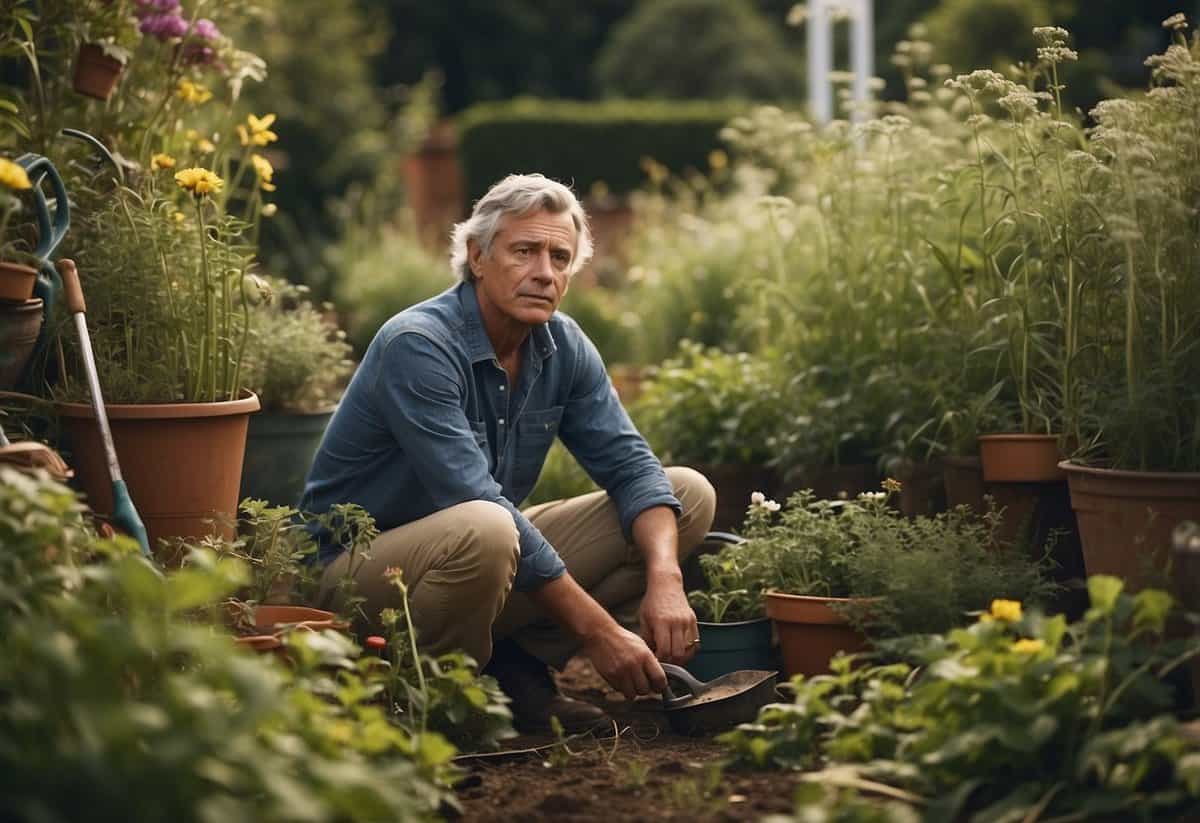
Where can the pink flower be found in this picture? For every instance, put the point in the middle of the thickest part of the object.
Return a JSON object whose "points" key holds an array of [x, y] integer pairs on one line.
{"points": [[164, 26], [206, 29]]}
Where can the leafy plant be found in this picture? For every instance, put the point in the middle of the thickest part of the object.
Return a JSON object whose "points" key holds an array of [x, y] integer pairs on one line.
{"points": [[114, 696], [711, 407], [1019, 716], [296, 360]]}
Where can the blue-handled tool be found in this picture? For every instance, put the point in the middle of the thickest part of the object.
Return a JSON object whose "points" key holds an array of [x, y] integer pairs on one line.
{"points": [[125, 516]]}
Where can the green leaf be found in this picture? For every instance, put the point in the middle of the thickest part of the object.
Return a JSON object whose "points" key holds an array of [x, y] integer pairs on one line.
{"points": [[1150, 609], [1103, 591]]}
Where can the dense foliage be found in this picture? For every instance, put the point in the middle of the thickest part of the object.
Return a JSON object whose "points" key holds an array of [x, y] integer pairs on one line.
{"points": [[1018, 717]]}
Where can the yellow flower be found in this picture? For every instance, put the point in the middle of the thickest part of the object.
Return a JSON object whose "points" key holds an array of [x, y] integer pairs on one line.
{"points": [[892, 485], [264, 170], [205, 146], [717, 159], [1008, 611], [1027, 646], [269, 210], [199, 181], [178, 217], [13, 175], [259, 132], [162, 161], [193, 92]]}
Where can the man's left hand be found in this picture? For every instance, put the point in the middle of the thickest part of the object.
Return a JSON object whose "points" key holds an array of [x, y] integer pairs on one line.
{"points": [[668, 622]]}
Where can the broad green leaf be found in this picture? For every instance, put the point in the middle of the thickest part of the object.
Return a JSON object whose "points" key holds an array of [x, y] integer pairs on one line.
{"points": [[1103, 591]]}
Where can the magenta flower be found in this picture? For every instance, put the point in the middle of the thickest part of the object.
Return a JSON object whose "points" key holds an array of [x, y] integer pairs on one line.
{"points": [[163, 26], [206, 29]]}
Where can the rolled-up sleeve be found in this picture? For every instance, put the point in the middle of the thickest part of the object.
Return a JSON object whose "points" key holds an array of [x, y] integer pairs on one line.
{"points": [[421, 394], [597, 430]]}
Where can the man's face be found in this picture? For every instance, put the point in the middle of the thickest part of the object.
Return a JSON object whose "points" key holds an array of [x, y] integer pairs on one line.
{"points": [[525, 274]]}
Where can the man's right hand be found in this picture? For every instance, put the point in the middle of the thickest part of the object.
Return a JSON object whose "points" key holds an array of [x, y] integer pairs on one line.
{"points": [[625, 661]]}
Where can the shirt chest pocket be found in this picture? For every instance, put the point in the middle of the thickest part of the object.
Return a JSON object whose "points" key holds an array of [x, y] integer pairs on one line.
{"points": [[535, 434]]}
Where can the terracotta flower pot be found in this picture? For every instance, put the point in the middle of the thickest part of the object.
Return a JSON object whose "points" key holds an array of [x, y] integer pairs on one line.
{"points": [[96, 73], [19, 327], [16, 282], [271, 619], [963, 479], [181, 461], [1020, 458], [1126, 517], [810, 632]]}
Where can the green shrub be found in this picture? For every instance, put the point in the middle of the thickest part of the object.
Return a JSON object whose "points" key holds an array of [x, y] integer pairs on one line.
{"points": [[583, 144], [296, 360], [117, 702], [696, 50], [707, 406], [383, 269]]}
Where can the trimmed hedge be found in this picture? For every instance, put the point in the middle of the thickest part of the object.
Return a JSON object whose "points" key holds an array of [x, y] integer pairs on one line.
{"points": [[585, 143]]}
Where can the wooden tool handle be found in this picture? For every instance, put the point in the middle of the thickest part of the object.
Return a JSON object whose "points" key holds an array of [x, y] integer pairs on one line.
{"points": [[72, 291]]}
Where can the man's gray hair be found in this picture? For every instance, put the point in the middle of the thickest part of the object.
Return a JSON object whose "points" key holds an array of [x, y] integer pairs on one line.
{"points": [[518, 195]]}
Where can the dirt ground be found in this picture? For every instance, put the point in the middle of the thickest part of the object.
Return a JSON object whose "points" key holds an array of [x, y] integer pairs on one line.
{"points": [[643, 772]]}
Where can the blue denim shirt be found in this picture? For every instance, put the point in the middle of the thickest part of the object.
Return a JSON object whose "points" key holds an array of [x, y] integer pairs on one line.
{"points": [[429, 421]]}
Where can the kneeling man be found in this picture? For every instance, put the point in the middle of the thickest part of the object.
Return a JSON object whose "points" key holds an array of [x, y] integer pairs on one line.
{"points": [[443, 432]]}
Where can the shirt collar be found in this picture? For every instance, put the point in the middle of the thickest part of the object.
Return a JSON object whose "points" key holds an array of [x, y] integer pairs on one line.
{"points": [[478, 343]]}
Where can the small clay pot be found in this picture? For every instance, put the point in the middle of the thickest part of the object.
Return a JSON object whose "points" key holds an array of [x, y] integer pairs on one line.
{"points": [[16, 282], [270, 619], [96, 73], [811, 633], [20, 324]]}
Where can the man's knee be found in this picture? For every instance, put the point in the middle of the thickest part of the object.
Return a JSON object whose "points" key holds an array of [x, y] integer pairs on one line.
{"points": [[699, 500], [488, 541]]}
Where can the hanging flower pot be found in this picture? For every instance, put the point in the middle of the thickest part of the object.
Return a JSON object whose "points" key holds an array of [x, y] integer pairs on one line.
{"points": [[1020, 458], [1126, 517], [96, 72], [811, 632]]}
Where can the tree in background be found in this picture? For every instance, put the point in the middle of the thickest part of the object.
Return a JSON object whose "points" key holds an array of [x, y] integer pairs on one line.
{"points": [[699, 49]]}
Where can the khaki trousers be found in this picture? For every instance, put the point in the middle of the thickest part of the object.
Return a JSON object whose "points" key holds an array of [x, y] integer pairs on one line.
{"points": [[459, 565]]}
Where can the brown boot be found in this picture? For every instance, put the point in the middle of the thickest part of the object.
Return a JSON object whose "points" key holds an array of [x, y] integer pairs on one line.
{"points": [[534, 695]]}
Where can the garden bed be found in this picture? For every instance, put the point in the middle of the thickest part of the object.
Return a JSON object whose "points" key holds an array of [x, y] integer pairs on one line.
{"points": [[646, 772]]}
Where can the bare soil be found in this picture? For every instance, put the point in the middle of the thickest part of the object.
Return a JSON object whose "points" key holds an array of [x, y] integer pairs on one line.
{"points": [[639, 771]]}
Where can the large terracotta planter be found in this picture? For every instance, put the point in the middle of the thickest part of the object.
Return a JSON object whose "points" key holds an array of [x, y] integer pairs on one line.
{"points": [[1126, 517], [181, 461], [16, 282], [96, 73], [731, 647], [19, 327], [279, 450], [734, 483], [922, 490], [1020, 458], [811, 633]]}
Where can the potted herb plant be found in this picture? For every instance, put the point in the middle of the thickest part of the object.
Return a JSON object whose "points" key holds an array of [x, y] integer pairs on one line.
{"points": [[735, 633], [717, 413], [296, 363], [1138, 473], [163, 269], [840, 572], [107, 32]]}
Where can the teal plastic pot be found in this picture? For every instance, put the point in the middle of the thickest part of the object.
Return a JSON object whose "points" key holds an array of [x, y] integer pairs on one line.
{"points": [[279, 450], [731, 647]]}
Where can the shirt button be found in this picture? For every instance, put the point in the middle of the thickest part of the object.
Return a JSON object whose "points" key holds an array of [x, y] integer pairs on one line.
{"points": [[501, 388], [501, 421]]}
